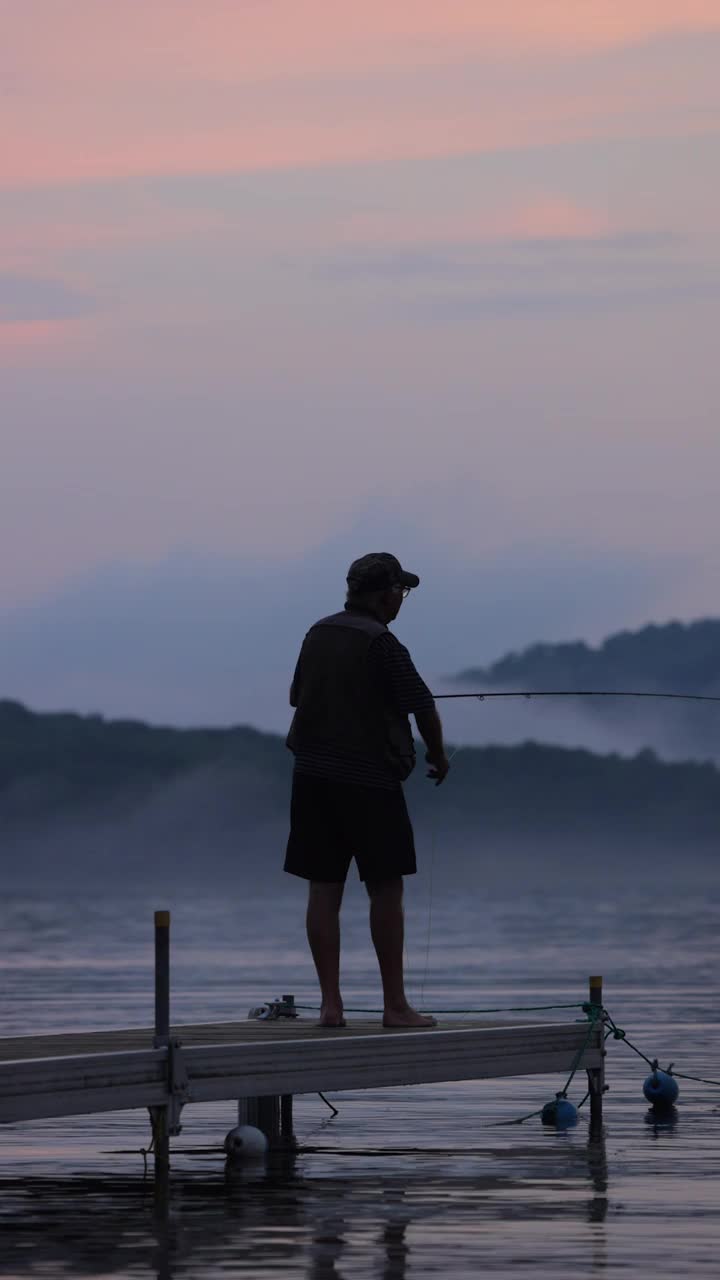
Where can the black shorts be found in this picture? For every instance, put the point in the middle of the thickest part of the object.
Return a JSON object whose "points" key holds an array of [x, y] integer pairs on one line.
{"points": [[333, 822]]}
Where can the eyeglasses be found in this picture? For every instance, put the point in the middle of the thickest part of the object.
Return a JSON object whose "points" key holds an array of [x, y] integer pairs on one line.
{"points": [[405, 590]]}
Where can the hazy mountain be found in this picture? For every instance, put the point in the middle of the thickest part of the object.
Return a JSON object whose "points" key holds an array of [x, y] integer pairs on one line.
{"points": [[81, 796], [675, 657]]}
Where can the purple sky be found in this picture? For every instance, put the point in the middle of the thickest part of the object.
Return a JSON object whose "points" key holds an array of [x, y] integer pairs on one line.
{"points": [[283, 283]]}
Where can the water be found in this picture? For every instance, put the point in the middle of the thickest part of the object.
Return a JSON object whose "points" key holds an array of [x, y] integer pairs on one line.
{"points": [[402, 1183]]}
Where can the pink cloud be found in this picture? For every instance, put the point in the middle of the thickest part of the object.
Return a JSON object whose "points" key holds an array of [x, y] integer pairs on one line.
{"points": [[19, 342], [38, 241], [384, 130], [43, 343], [181, 40], [554, 218], [542, 216], [100, 91]]}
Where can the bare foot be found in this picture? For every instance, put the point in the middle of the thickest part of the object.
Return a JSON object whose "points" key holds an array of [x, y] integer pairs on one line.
{"points": [[330, 1016], [407, 1017]]}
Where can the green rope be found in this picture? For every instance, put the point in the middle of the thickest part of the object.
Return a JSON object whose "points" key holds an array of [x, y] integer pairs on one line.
{"points": [[526, 1008], [595, 1013]]}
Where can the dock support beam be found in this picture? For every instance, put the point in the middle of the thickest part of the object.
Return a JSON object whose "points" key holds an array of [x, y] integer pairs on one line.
{"points": [[262, 1113], [596, 1075], [286, 1120], [271, 1114]]}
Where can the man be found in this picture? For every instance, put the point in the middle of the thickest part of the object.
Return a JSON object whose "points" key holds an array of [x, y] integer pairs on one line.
{"points": [[353, 690]]}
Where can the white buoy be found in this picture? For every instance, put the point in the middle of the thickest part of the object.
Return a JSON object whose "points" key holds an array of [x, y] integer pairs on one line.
{"points": [[245, 1142]]}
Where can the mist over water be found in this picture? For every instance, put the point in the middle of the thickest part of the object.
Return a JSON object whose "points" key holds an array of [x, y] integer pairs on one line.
{"points": [[151, 852]]}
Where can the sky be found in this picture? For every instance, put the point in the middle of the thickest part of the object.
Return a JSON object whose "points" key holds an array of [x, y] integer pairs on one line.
{"points": [[284, 281]]}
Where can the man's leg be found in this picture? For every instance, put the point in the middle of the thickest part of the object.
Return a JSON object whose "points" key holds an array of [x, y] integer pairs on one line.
{"points": [[323, 931], [387, 928]]}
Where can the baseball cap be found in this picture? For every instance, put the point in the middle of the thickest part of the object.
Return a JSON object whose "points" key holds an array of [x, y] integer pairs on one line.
{"points": [[377, 571]]}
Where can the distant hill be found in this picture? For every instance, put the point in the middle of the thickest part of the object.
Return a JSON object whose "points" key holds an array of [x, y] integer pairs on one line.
{"points": [[82, 795], [673, 658], [677, 657]]}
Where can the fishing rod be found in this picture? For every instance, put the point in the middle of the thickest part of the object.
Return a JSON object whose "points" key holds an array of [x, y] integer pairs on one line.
{"points": [[580, 693]]}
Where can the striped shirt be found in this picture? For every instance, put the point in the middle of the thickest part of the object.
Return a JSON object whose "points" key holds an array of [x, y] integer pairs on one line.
{"points": [[400, 686]]}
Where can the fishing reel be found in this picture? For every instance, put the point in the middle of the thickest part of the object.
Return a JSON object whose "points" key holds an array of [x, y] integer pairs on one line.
{"points": [[283, 1008]]}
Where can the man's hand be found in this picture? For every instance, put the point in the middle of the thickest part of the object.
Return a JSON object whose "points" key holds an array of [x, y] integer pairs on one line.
{"points": [[430, 727], [440, 766]]}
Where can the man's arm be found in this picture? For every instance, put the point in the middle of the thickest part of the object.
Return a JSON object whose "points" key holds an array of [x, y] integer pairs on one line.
{"points": [[409, 693], [431, 731]]}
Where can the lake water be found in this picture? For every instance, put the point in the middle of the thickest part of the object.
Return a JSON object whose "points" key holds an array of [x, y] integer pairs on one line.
{"points": [[402, 1183]]}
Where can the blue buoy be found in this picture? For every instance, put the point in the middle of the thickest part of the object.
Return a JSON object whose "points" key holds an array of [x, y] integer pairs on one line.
{"points": [[560, 1113], [661, 1089]]}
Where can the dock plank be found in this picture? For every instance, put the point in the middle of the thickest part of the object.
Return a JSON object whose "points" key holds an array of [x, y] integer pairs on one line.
{"points": [[116, 1040], [88, 1072]]}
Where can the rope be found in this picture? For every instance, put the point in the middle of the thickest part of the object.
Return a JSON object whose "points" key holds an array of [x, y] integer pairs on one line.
{"points": [[595, 1013], [618, 1034], [525, 1008], [498, 1124], [581, 693], [700, 1079]]}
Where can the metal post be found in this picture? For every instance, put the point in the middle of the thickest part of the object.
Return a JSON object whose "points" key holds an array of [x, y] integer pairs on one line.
{"points": [[269, 1118], [265, 1114], [162, 978], [286, 1119], [248, 1111], [596, 1075], [160, 1116]]}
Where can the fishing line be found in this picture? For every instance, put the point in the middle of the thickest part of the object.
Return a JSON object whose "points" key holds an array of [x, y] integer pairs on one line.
{"points": [[581, 693], [430, 893]]}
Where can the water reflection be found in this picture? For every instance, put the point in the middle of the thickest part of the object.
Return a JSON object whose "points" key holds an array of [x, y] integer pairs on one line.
{"points": [[279, 1219], [396, 1249], [598, 1175], [661, 1121]]}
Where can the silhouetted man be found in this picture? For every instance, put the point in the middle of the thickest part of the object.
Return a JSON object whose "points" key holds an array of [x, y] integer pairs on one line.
{"points": [[353, 689]]}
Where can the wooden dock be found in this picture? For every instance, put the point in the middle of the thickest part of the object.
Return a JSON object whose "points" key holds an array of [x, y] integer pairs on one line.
{"points": [[166, 1068]]}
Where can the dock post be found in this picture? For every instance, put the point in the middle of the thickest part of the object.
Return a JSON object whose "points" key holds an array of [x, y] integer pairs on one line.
{"points": [[160, 1115], [269, 1119], [286, 1120], [248, 1111], [162, 978], [596, 1075], [264, 1114]]}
